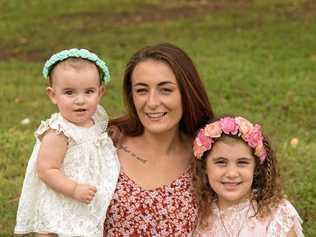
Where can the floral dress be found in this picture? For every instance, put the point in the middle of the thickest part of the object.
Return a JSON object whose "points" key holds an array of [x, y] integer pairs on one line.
{"points": [[91, 159], [238, 221], [170, 210]]}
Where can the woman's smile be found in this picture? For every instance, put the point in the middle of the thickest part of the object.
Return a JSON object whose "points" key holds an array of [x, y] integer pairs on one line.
{"points": [[156, 115]]}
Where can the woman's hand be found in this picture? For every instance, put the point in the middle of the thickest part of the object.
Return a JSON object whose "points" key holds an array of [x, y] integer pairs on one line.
{"points": [[84, 193]]}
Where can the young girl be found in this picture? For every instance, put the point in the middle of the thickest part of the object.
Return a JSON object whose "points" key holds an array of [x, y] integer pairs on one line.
{"points": [[73, 170], [238, 185]]}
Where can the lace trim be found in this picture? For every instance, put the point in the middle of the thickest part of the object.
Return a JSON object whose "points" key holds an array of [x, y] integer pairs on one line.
{"points": [[75, 134], [285, 218], [55, 122]]}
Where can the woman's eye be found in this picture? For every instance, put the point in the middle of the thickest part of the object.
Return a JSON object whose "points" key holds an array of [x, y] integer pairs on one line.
{"points": [[166, 90], [141, 91]]}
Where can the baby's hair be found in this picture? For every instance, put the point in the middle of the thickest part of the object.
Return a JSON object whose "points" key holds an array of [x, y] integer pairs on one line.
{"points": [[266, 185], [74, 63]]}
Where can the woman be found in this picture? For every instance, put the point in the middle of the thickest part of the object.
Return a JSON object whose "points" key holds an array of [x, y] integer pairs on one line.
{"points": [[167, 104]]}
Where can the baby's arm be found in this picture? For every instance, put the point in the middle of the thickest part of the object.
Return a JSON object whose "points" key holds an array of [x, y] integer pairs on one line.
{"points": [[51, 155]]}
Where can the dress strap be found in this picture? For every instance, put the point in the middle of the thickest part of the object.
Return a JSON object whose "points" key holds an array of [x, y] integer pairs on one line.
{"points": [[101, 118]]}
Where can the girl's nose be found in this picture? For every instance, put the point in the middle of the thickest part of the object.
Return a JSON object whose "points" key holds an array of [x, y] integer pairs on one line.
{"points": [[232, 171]]}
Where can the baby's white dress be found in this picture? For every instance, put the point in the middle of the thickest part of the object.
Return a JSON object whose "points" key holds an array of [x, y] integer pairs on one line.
{"points": [[91, 159]]}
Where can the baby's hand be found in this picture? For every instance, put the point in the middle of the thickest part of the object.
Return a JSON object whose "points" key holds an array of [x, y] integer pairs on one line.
{"points": [[84, 193]]}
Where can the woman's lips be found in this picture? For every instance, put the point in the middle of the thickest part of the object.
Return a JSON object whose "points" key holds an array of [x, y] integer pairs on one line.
{"points": [[156, 115]]}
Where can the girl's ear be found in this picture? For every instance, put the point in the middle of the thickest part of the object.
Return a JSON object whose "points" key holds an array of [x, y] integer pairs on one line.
{"points": [[51, 94], [102, 91]]}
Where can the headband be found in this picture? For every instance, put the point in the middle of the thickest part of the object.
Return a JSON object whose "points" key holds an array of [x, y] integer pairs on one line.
{"points": [[76, 53], [239, 126]]}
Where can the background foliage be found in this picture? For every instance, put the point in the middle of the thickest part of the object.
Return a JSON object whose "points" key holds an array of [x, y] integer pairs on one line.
{"points": [[256, 57]]}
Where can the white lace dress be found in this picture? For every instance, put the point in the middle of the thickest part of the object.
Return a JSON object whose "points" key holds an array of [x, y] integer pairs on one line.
{"points": [[91, 159], [238, 221]]}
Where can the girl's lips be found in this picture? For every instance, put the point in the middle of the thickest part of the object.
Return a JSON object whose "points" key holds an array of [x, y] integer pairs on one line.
{"points": [[231, 185]]}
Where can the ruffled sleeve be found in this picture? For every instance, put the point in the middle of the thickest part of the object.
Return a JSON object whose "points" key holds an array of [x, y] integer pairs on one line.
{"points": [[57, 123], [101, 117], [284, 219]]}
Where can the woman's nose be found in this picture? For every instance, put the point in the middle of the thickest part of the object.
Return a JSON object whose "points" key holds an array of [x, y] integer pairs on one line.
{"points": [[153, 99]]}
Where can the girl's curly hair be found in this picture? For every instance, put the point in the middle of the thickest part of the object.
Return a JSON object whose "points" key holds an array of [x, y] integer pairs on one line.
{"points": [[266, 185]]}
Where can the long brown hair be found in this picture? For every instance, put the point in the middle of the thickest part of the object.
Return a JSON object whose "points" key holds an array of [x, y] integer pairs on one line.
{"points": [[266, 185], [196, 106]]}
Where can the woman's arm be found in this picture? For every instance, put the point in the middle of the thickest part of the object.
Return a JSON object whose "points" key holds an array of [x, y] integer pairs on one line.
{"points": [[51, 155]]}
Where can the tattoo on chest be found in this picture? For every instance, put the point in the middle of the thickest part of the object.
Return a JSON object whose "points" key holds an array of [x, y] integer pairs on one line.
{"points": [[127, 150]]}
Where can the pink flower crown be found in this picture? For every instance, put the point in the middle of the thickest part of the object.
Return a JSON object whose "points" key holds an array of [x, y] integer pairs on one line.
{"points": [[239, 126]]}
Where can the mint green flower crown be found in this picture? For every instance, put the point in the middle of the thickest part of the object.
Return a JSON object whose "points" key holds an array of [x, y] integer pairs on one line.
{"points": [[76, 53]]}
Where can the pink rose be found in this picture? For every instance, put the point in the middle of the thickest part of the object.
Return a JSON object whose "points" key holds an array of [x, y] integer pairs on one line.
{"points": [[213, 129], [254, 136], [198, 150], [228, 125], [261, 152], [244, 126], [203, 140]]}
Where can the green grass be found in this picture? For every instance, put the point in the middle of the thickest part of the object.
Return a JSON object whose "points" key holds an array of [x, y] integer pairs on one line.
{"points": [[257, 59]]}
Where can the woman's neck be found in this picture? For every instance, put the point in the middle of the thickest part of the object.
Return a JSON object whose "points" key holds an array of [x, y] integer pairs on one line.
{"points": [[162, 143]]}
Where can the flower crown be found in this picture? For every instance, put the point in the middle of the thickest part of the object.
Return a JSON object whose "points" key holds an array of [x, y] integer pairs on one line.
{"points": [[76, 53], [239, 126]]}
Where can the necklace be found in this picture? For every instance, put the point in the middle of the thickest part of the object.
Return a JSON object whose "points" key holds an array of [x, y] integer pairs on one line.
{"points": [[229, 233]]}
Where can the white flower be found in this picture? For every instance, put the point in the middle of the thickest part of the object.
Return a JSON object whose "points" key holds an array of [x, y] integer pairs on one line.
{"points": [[25, 121]]}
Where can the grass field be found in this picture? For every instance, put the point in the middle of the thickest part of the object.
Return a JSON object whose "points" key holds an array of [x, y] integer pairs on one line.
{"points": [[256, 57]]}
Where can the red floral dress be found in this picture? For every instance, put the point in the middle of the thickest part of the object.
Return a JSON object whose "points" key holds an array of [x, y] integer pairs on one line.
{"points": [[170, 210]]}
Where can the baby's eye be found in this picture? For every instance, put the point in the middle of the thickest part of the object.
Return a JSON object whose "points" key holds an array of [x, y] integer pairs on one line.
{"points": [[68, 92], [91, 91]]}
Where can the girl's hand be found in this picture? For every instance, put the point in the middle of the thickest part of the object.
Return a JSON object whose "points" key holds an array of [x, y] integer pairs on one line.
{"points": [[84, 193]]}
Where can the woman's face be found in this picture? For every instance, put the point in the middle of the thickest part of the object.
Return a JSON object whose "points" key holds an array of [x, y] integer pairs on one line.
{"points": [[156, 96]]}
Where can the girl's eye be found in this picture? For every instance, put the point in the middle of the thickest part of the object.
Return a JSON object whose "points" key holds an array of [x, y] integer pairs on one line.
{"points": [[243, 163], [220, 162]]}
